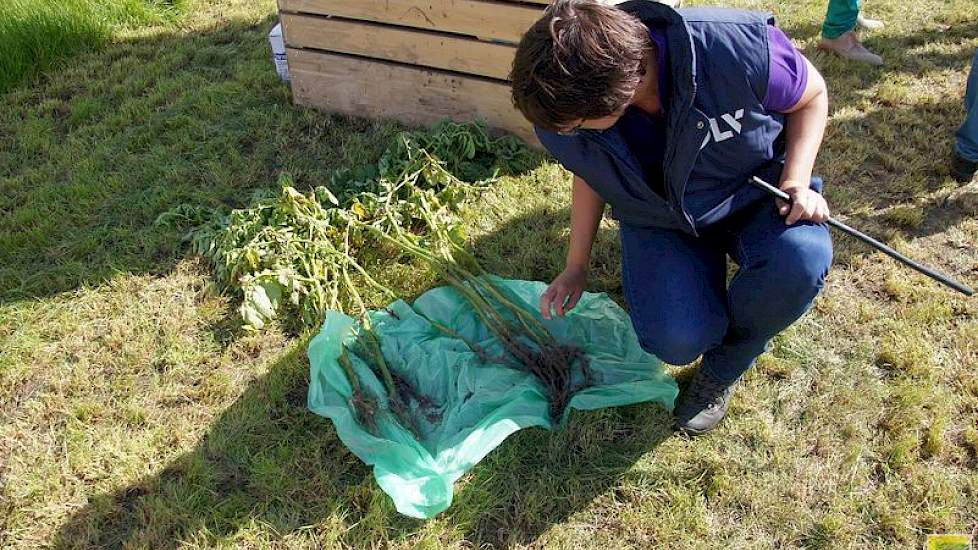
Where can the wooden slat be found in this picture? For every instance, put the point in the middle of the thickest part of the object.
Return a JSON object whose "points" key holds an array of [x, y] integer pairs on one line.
{"points": [[451, 52], [378, 89], [488, 20]]}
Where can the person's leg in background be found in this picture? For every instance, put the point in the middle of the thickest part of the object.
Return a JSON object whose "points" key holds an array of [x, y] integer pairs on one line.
{"points": [[839, 35], [965, 162], [841, 17]]}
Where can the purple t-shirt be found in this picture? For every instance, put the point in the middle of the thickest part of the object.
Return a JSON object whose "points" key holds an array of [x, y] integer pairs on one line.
{"points": [[787, 74], [646, 133]]}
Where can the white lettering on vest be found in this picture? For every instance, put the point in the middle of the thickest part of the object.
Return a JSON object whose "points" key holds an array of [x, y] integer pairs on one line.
{"points": [[732, 120]]}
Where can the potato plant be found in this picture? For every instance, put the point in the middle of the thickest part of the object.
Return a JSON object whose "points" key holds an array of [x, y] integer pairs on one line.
{"points": [[284, 254]]}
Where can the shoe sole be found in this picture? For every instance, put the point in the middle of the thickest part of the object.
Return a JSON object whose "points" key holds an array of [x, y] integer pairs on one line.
{"points": [[692, 431]]}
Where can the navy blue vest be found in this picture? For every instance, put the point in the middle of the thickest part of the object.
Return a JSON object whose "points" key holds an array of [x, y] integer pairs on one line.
{"points": [[718, 133]]}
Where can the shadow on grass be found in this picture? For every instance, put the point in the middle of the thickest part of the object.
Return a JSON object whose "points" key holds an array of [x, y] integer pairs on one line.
{"points": [[913, 54], [533, 246], [903, 54], [267, 460], [538, 480], [893, 180], [91, 154]]}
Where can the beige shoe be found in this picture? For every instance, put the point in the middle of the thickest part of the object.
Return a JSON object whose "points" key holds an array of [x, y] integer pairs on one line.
{"points": [[869, 24], [849, 47]]}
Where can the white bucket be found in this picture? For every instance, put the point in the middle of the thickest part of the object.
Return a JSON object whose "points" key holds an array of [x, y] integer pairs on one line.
{"points": [[278, 52]]}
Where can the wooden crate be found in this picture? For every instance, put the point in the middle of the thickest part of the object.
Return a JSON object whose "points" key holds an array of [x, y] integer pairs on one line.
{"points": [[416, 61]]}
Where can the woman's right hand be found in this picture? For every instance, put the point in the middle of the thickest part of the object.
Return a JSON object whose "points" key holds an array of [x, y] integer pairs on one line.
{"points": [[564, 292], [586, 211]]}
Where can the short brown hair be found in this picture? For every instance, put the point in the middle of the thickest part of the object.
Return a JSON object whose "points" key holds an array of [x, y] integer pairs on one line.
{"points": [[582, 60]]}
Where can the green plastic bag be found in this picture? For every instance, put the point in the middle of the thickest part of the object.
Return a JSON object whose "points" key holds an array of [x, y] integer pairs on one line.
{"points": [[476, 404]]}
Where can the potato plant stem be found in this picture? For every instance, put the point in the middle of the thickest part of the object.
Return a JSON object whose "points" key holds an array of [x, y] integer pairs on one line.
{"points": [[534, 328], [365, 323]]}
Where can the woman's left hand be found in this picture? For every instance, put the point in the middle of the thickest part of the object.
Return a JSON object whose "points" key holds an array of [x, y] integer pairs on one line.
{"points": [[805, 205]]}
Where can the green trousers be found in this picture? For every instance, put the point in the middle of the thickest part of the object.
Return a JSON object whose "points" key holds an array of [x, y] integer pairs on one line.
{"points": [[841, 18]]}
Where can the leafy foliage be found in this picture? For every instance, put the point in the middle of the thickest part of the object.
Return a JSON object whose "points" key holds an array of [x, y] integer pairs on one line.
{"points": [[290, 251]]}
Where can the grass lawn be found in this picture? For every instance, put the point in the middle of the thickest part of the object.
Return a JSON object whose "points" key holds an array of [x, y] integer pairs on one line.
{"points": [[38, 34], [135, 413]]}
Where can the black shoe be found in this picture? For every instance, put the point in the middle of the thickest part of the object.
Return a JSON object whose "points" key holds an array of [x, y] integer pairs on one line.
{"points": [[962, 169], [703, 404]]}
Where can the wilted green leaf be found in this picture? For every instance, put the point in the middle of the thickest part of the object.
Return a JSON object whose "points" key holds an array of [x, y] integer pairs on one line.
{"points": [[261, 303], [285, 252]]}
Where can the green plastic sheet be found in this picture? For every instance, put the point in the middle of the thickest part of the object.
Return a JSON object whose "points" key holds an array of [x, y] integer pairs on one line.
{"points": [[476, 404]]}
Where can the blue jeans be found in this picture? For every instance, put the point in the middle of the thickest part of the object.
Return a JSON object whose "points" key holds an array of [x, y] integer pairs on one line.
{"points": [[967, 142], [679, 301]]}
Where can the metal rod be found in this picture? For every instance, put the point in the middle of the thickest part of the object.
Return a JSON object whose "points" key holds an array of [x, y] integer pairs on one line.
{"points": [[932, 273]]}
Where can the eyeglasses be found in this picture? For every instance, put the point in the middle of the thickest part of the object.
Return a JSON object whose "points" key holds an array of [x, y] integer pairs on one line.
{"points": [[572, 131], [577, 129]]}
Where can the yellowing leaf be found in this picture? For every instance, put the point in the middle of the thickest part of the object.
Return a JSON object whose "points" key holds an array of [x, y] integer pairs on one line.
{"points": [[359, 210]]}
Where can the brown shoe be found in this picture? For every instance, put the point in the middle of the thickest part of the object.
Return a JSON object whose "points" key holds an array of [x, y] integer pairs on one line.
{"points": [[849, 47]]}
